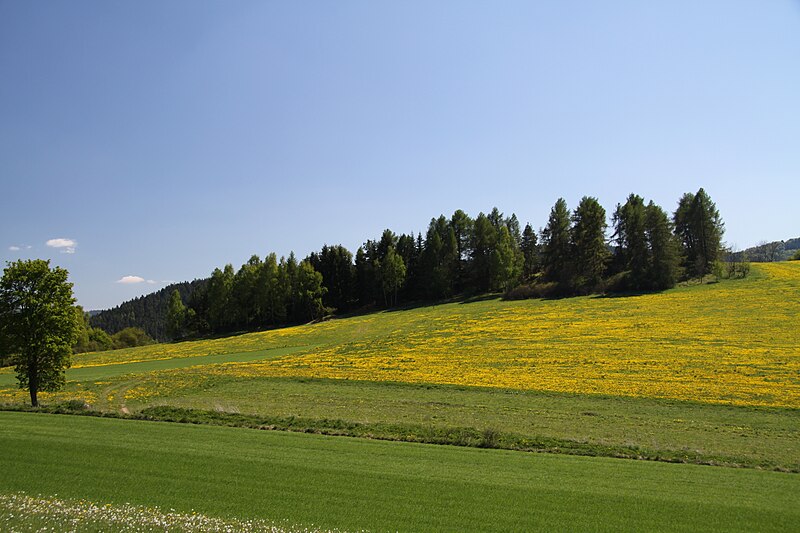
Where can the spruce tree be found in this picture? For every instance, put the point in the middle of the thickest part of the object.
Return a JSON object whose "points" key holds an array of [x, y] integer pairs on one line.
{"points": [[663, 247], [556, 249], [589, 243], [530, 253]]}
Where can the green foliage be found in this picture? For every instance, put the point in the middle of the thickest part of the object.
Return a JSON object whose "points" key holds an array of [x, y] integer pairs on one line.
{"points": [[647, 252], [149, 312], [663, 249], [699, 227], [309, 293], [38, 324], [457, 257], [589, 244], [506, 262], [796, 256], [393, 274], [556, 245], [530, 253], [176, 316], [335, 263], [130, 338]]}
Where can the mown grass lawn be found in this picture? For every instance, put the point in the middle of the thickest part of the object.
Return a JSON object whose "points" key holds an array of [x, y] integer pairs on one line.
{"points": [[357, 484]]}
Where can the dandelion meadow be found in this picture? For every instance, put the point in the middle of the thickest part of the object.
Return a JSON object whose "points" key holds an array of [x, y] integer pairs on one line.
{"points": [[732, 343]]}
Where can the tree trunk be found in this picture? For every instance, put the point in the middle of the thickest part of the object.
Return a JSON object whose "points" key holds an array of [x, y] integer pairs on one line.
{"points": [[33, 383]]}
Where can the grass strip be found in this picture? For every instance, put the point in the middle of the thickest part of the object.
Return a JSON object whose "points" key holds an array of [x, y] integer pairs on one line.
{"points": [[425, 434]]}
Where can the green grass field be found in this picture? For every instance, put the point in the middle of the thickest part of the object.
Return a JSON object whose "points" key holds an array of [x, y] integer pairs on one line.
{"points": [[355, 484], [702, 373]]}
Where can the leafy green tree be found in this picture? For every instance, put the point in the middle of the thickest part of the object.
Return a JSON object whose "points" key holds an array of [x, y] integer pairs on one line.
{"points": [[89, 339], [393, 274], [589, 243], [273, 304], [38, 324], [556, 246], [82, 336], [506, 262], [220, 308], [130, 338], [335, 263], [176, 315], [246, 293], [308, 292], [530, 253], [99, 340]]}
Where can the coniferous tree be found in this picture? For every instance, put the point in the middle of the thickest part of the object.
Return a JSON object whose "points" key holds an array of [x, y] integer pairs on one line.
{"points": [[409, 252], [556, 248], [663, 249], [462, 230], [530, 253], [700, 228], [629, 223], [589, 243], [484, 238]]}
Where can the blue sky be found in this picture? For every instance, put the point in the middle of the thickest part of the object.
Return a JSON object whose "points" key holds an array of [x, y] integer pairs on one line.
{"points": [[163, 139]]}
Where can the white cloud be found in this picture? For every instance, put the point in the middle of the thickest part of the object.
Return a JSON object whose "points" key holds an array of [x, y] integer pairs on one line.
{"points": [[130, 279], [151, 281], [14, 248], [67, 246]]}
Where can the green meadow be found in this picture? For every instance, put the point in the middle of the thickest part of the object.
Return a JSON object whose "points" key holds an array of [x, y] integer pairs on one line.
{"points": [[355, 484], [701, 374]]}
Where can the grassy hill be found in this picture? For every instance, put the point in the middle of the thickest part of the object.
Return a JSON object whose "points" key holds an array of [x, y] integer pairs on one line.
{"points": [[704, 374]]}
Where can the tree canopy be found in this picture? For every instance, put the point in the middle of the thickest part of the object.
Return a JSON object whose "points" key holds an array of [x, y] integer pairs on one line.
{"points": [[39, 324]]}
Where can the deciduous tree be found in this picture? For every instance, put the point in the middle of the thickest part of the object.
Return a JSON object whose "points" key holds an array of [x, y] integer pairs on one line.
{"points": [[38, 324]]}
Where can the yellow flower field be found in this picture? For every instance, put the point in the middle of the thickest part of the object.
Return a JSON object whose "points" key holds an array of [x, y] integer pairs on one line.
{"points": [[736, 342]]}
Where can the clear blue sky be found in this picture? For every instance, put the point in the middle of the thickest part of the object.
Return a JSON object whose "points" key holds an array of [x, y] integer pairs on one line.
{"points": [[165, 139]]}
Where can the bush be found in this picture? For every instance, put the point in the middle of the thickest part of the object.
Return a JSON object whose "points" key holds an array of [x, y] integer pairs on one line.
{"points": [[130, 337], [537, 290]]}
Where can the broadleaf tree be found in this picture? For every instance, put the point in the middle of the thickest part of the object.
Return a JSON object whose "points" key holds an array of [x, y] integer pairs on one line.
{"points": [[38, 324]]}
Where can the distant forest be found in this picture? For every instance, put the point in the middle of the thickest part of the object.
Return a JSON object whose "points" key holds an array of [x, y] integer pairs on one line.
{"points": [[460, 256]]}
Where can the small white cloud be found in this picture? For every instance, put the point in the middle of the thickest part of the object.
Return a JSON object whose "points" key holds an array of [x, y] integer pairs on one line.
{"points": [[130, 279], [167, 281], [67, 246], [14, 248], [28, 246], [151, 281]]}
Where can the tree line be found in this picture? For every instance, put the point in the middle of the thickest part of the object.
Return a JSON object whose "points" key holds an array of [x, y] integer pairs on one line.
{"points": [[574, 253]]}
